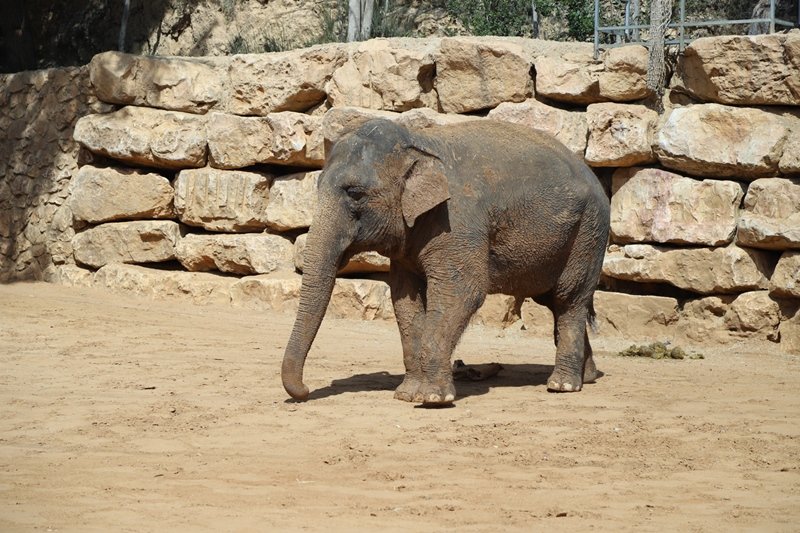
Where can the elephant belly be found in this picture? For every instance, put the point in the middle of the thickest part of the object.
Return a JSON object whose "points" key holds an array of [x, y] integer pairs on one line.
{"points": [[527, 260]]}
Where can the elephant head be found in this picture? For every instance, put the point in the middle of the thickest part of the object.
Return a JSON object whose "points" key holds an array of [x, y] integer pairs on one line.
{"points": [[377, 181]]}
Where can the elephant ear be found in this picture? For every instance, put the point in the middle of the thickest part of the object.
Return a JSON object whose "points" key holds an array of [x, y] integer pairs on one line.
{"points": [[425, 187]]}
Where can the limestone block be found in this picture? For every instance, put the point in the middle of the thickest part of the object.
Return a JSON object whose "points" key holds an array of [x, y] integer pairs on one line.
{"points": [[624, 74], [238, 142], [771, 215], [141, 241], [790, 160], [284, 81], [296, 139], [577, 79], [653, 205], [569, 127], [105, 194], [620, 135], [285, 138], [292, 201], [361, 299], [361, 263], [394, 75], [339, 121], [789, 329], [497, 311], [701, 270], [634, 316], [197, 287], [753, 312], [536, 318], [716, 140], [703, 320], [252, 253], [424, 117], [222, 200], [476, 74], [785, 281], [276, 292], [147, 137], [162, 82], [72, 276], [568, 79], [743, 70]]}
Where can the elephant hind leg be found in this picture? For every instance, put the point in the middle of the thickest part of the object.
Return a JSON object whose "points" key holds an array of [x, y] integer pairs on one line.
{"points": [[590, 371], [571, 338]]}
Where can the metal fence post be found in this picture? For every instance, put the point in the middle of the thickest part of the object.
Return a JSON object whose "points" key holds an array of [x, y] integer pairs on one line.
{"points": [[596, 29], [682, 28], [772, 16]]}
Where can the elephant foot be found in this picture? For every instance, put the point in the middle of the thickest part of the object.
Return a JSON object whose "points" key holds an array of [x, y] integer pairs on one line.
{"points": [[433, 394], [590, 372], [407, 390], [561, 381]]}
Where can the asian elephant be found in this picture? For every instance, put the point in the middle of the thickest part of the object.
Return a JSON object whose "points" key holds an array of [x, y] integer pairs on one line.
{"points": [[462, 211]]}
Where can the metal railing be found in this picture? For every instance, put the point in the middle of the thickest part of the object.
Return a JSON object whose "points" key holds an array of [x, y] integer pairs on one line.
{"points": [[630, 31]]}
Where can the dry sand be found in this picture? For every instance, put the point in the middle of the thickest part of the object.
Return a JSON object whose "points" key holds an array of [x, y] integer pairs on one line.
{"points": [[126, 414]]}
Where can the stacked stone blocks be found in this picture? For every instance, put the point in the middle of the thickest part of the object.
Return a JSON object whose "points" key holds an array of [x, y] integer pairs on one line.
{"points": [[705, 197]]}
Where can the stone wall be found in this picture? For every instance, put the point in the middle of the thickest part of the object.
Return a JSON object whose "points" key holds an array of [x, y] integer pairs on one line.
{"points": [[38, 158], [200, 180]]}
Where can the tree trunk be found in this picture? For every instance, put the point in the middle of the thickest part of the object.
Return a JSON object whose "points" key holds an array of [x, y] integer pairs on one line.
{"points": [[660, 14], [359, 19], [123, 27]]}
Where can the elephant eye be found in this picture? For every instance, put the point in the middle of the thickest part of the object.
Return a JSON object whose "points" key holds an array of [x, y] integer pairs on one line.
{"points": [[356, 193]]}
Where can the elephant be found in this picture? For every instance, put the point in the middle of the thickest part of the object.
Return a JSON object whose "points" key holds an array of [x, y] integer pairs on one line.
{"points": [[462, 211]]}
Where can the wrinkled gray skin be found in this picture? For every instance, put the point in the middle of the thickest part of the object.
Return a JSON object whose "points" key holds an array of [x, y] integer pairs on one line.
{"points": [[462, 211]]}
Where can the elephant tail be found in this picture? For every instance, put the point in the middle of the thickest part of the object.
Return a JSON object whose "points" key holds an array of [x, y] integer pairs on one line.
{"points": [[591, 317]]}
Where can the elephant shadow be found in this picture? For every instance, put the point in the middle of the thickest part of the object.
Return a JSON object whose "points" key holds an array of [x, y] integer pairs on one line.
{"points": [[512, 375]]}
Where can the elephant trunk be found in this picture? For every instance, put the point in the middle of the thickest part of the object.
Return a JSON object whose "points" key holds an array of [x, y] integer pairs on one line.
{"points": [[325, 247]]}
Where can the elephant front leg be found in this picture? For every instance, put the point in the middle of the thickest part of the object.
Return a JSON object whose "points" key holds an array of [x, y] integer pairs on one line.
{"points": [[446, 320], [409, 310]]}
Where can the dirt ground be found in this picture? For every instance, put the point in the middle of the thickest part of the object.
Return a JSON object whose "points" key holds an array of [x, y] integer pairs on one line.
{"points": [[125, 414]]}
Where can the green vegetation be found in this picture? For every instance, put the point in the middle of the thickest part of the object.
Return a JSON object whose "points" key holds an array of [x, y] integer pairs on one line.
{"points": [[658, 350]]}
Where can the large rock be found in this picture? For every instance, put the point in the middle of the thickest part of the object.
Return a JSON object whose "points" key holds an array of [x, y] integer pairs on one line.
{"points": [[785, 281], [277, 292], [147, 137], [166, 83], [285, 138], [197, 287], [576, 78], [395, 75], [716, 140], [701, 270], [743, 70], [702, 320], [620, 135], [292, 201], [284, 81], [474, 74], [789, 329], [790, 160], [223, 200], [361, 299], [253, 253], [238, 142], [105, 194], [753, 312], [771, 215], [141, 241], [653, 205], [340, 121], [633, 316], [569, 127], [361, 263], [624, 75]]}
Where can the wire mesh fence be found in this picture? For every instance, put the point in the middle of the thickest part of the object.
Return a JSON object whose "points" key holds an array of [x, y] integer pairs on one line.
{"points": [[622, 22]]}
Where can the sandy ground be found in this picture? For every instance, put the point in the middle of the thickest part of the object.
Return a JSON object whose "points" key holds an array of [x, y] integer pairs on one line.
{"points": [[124, 414]]}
